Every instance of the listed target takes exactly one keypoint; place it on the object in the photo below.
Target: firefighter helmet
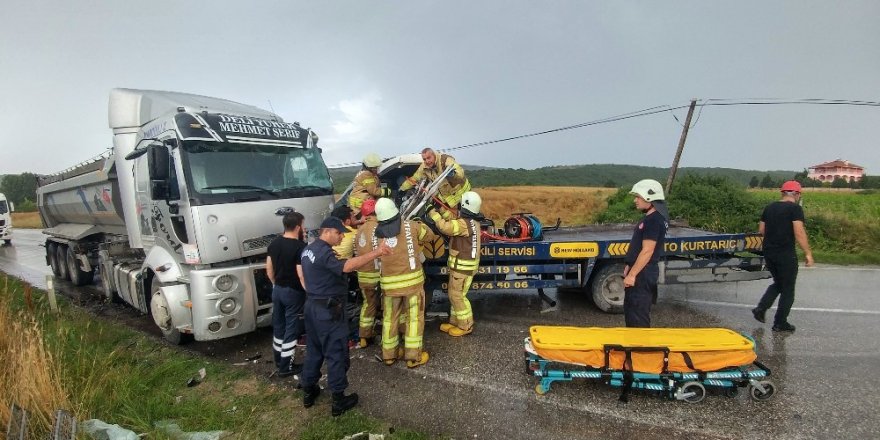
(372, 160)
(648, 189)
(471, 202)
(385, 209)
(791, 186)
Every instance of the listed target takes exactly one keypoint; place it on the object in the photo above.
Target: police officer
(464, 260)
(403, 284)
(366, 184)
(326, 323)
(641, 273)
(455, 184)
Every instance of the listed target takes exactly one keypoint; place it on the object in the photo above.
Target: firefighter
(433, 165)
(642, 271)
(368, 276)
(464, 259)
(366, 184)
(403, 284)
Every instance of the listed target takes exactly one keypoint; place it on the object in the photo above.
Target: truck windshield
(3, 208)
(219, 172)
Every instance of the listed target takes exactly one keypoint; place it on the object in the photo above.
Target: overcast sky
(393, 77)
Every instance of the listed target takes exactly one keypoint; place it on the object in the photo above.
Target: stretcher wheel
(731, 392)
(757, 394)
(696, 390)
(539, 389)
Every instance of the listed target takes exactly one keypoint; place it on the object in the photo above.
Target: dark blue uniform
(326, 293)
(638, 299)
(288, 298)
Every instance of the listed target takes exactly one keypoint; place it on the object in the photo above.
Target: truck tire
(78, 277)
(161, 314)
(607, 288)
(52, 256)
(61, 261)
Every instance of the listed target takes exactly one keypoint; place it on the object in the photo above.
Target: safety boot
(365, 342)
(455, 331)
(445, 327)
(423, 359)
(390, 362)
(310, 394)
(343, 403)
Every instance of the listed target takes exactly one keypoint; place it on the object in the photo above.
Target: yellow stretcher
(679, 362)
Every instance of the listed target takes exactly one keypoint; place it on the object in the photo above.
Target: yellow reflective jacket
(401, 271)
(366, 185)
(464, 242)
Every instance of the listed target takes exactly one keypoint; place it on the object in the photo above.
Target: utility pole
(684, 135)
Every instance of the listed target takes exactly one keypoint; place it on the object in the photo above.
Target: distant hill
(597, 175)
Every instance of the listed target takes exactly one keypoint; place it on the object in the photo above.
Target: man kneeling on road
(326, 323)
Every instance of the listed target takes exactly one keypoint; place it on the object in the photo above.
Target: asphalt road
(476, 387)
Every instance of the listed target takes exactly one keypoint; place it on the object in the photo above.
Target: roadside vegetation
(841, 225)
(95, 369)
(26, 220)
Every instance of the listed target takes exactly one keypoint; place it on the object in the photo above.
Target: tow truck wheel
(52, 254)
(607, 288)
(61, 261)
(161, 313)
(78, 276)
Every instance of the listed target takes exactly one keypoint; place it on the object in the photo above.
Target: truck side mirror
(11, 207)
(158, 162)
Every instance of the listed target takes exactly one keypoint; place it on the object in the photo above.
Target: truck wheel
(78, 276)
(52, 256)
(161, 313)
(61, 261)
(607, 288)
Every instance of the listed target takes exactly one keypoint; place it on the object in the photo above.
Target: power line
(724, 102)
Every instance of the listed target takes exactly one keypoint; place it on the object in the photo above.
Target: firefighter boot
(455, 331)
(445, 327)
(343, 403)
(423, 359)
(310, 394)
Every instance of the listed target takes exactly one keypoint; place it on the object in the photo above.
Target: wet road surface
(476, 386)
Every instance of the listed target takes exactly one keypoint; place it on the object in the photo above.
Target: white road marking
(802, 309)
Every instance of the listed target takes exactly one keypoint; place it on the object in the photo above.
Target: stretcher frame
(690, 387)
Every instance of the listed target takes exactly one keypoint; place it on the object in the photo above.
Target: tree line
(21, 190)
(768, 181)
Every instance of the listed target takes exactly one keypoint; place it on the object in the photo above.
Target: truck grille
(257, 243)
(263, 287)
(2, 222)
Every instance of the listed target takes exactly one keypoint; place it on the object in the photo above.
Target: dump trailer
(6, 208)
(523, 254)
(175, 219)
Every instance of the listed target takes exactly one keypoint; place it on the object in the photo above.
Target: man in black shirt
(326, 322)
(782, 224)
(641, 273)
(288, 296)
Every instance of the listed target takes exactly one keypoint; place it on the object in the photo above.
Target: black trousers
(784, 269)
(638, 299)
(328, 342)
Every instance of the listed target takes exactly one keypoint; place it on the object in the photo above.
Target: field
(26, 220)
(574, 206)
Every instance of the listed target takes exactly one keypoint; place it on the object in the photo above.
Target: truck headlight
(227, 306)
(225, 283)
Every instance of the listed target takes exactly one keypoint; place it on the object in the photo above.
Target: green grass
(120, 376)
(842, 225)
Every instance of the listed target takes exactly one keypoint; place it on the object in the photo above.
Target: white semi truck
(176, 218)
(6, 208)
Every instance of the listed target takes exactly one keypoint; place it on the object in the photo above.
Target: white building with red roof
(828, 171)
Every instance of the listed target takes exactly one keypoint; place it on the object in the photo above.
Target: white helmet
(372, 160)
(648, 189)
(385, 209)
(472, 202)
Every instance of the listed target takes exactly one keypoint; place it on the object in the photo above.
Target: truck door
(145, 205)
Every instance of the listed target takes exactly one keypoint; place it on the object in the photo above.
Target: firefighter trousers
(369, 308)
(413, 306)
(461, 315)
